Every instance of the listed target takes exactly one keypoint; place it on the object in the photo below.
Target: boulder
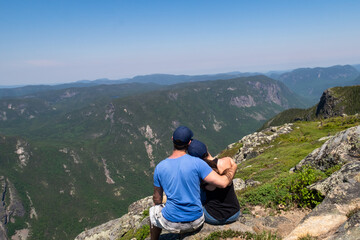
(344, 147)
(331, 217)
(252, 144)
(350, 230)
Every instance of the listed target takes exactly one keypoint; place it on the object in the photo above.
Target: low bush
(244, 235)
(288, 190)
(140, 234)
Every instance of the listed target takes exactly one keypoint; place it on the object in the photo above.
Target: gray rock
(342, 196)
(350, 230)
(339, 182)
(327, 106)
(239, 184)
(116, 228)
(344, 147)
(139, 206)
(252, 142)
(14, 207)
(251, 183)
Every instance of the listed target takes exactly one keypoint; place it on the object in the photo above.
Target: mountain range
(77, 157)
(308, 82)
(311, 82)
(289, 177)
(73, 156)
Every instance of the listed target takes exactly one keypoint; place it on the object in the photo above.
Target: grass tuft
(243, 235)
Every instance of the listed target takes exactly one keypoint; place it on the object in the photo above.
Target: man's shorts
(157, 219)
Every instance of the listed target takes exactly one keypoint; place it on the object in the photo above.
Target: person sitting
(221, 205)
(179, 176)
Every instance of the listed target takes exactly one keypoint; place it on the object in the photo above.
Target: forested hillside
(78, 157)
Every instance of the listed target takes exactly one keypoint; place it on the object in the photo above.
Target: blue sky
(52, 41)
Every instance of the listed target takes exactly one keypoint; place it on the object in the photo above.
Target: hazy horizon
(52, 42)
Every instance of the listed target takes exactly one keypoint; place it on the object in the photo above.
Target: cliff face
(334, 102)
(336, 217)
(10, 206)
(338, 101)
(327, 106)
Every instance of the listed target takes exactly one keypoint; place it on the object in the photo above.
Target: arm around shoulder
(224, 163)
(222, 181)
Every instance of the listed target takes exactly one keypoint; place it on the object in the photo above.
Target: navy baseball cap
(182, 135)
(197, 149)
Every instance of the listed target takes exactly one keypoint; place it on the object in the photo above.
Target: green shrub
(307, 237)
(289, 190)
(145, 214)
(333, 169)
(244, 235)
(140, 234)
(267, 195)
(298, 191)
(232, 151)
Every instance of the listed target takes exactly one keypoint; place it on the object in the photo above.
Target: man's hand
(158, 195)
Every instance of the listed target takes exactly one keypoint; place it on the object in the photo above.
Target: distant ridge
(311, 82)
(162, 79)
(334, 102)
(308, 82)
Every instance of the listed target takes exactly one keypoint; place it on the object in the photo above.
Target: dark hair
(212, 164)
(180, 145)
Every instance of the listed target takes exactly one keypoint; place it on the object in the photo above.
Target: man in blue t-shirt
(179, 176)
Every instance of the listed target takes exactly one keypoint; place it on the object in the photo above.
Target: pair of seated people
(220, 205)
(189, 171)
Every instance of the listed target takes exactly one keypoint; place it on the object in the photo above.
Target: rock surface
(344, 147)
(10, 205)
(251, 144)
(331, 219)
(327, 106)
(116, 228)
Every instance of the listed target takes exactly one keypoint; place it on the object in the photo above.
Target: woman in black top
(221, 205)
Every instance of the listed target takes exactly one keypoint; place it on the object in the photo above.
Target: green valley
(79, 157)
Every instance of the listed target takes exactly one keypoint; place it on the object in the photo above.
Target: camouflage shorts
(157, 220)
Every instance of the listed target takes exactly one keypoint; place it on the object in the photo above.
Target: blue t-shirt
(180, 179)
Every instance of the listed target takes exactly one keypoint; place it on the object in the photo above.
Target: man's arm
(158, 195)
(222, 181)
(224, 163)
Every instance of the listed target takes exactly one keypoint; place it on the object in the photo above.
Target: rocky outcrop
(256, 143)
(10, 205)
(344, 147)
(337, 216)
(350, 230)
(257, 221)
(114, 229)
(327, 105)
(3, 215)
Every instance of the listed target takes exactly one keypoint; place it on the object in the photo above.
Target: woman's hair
(212, 164)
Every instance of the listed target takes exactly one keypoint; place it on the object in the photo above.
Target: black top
(222, 203)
